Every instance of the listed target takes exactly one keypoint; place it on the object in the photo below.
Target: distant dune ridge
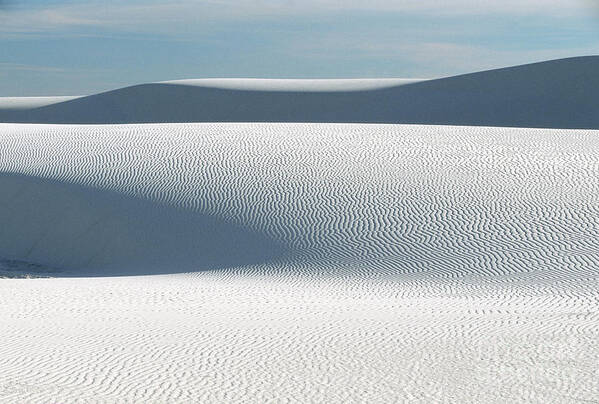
(555, 94)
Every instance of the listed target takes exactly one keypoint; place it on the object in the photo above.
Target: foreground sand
(210, 338)
(298, 262)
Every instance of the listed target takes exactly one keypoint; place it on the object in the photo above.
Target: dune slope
(555, 94)
(298, 263)
(443, 202)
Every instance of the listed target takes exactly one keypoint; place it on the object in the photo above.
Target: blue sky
(60, 47)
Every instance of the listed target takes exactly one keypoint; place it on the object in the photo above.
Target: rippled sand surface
(298, 262)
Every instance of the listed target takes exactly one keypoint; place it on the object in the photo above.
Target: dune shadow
(81, 231)
(555, 94)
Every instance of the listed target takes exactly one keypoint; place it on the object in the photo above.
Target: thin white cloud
(429, 6)
(459, 58)
(426, 57)
(22, 67)
(31, 68)
(180, 16)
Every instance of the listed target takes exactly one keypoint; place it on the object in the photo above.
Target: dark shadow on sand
(81, 231)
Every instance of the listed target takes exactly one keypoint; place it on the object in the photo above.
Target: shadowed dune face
(556, 94)
(74, 230)
(370, 201)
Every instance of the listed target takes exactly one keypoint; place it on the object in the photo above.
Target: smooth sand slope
(556, 94)
(298, 262)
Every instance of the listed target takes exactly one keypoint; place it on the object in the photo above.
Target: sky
(65, 47)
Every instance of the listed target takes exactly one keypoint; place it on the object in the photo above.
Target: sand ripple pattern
(306, 263)
(446, 202)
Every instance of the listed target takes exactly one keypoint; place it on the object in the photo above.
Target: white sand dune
(298, 262)
(556, 94)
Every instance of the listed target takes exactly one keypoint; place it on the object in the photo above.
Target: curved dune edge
(294, 85)
(78, 230)
(555, 94)
(377, 201)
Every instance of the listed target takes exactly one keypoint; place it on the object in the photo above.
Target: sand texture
(298, 262)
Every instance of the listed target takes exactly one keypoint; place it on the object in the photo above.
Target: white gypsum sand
(299, 262)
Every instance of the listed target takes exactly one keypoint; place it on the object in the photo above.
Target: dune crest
(555, 94)
(444, 202)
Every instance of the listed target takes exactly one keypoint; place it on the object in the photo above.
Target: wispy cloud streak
(178, 16)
